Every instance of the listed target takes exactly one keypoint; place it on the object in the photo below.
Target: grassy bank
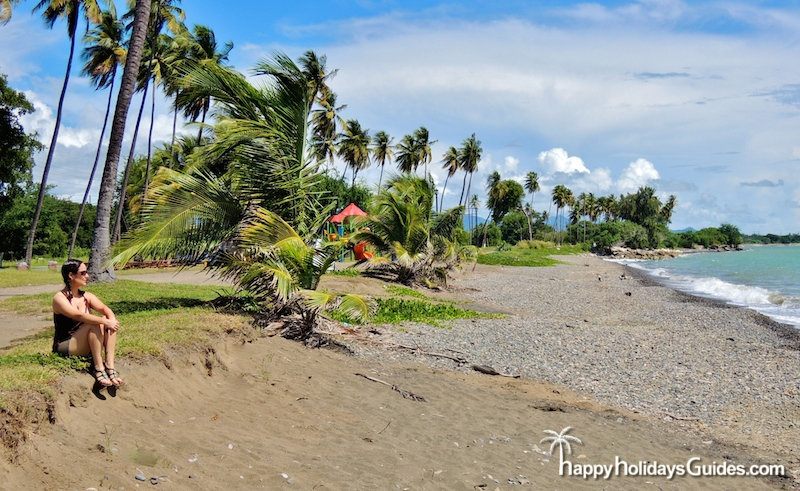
(525, 256)
(154, 318)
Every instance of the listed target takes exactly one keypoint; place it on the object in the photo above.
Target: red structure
(350, 210)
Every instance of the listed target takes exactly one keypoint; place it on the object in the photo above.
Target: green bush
(536, 244)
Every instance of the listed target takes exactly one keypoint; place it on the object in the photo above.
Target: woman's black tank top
(66, 327)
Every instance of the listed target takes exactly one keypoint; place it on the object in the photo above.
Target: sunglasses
(83, 273)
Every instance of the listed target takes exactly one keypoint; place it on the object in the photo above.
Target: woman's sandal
(101, 379)
(113, 376)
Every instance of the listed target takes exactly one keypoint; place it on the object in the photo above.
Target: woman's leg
(88, 339)
(110, 345)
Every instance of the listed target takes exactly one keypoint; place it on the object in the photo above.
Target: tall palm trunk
(94, 169)
(149, 146)
(463, 188)
(52, 149)
(101, 242)
(202, 122)
(444, 188)
(128, 164)
(174, 124)
(380, 179)
(353, 182)
(469, 185)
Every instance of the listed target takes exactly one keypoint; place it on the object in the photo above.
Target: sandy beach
(653, 375)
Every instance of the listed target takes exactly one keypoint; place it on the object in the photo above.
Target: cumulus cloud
(42, 121)
(511, 163)
(639, 173)
(557, 160)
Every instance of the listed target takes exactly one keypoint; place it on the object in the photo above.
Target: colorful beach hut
(342, 222)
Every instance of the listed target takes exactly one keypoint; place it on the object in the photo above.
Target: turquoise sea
(763, 278)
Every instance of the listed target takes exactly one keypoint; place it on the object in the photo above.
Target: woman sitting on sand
(78, 332)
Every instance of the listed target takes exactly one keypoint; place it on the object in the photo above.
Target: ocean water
(763, 278)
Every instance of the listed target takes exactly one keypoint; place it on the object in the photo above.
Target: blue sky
(698, 99)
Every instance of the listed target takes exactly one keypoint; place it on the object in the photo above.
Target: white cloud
(511, 163)
(638, 173)
(557, 160)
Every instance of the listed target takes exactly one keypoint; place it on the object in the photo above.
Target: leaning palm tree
(201, 47)
(325, 121)
(450, 164)
(163, 13)
(52, 11)
(408, 155)
(422, 140)
(315, 71)
(354, 147)
(101, 240)
(531, 184)
(382, 151)
(262, 135)
(560, 200)
(6, 8)
(469, 156)
(103, 55)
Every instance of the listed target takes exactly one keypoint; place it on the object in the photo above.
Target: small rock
(140, 477)
(22, 266)
(284, 475)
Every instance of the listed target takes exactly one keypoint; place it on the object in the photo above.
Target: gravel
(655, 351)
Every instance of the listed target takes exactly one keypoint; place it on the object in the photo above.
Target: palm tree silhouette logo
(562, 439)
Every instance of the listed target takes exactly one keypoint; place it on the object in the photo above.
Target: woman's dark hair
(70, 266)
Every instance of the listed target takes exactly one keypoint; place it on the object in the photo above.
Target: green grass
(10, 277)
(154, 319)
(397, 310)
(123, 296)
(404, 291)
(348, 272)
(527, 257)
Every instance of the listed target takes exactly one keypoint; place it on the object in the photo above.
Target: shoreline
(728, 372)
(782, 329)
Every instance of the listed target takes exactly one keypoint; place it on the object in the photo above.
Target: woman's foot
(113, 376)
(101, 378)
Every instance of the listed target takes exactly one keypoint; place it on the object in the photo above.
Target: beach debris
(406, 394)
(458, 359)
(154, 480)
(140, 476)
(682, 418)
(193, 458)
(628, 294)
(623, 277)
(491, 371)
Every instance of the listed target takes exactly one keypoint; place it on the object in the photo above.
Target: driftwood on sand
(491, 371)
(406, 394)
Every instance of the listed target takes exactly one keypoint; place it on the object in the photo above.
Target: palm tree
(531, 184)
(6, 10)
(562, 439)
(354, 147)
(317, 76)
(560, 199)
(382, 151)
(494, 192)
(200, 46)
(450, 164)
(70, 11)
(668, 208)
(103, 55)
(474, 203)
(325, 121)
(193, 213)
(423, 145)
(101, 240)
(469, 156)
(163, 14)
(407, 154)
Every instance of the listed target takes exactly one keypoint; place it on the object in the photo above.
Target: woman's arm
(96, 304)
(62, 306)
